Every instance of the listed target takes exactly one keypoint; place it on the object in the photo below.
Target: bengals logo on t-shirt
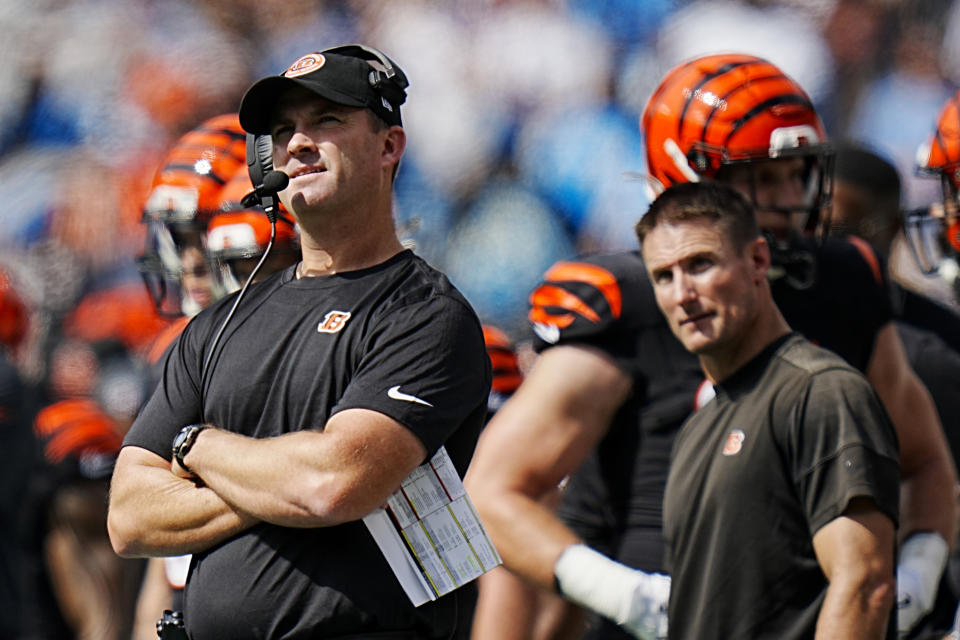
(734, 442)
(333, 322)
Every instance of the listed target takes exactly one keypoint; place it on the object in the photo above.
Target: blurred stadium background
(522, 121)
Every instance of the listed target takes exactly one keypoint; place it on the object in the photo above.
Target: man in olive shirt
(782, 500)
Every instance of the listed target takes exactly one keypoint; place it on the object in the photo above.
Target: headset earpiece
(389, 82)
(259, 164)
(259, 157)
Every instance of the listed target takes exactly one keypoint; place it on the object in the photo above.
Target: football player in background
(612, 386)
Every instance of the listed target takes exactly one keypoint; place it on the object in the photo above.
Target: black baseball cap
(339, 78)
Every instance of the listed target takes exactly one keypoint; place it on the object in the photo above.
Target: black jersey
(16, 439)
(614, 501)
(923, 312)
(938, 367)
(296, 353)
(835, 294)
(789, 440)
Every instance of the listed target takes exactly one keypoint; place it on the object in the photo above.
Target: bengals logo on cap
(306, 64)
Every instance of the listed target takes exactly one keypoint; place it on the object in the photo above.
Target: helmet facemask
(176, 271)
(933, 232)
(810, 168)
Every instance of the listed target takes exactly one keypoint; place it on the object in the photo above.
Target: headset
(389, 83)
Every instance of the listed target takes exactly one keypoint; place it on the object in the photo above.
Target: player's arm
(929, 480)
(309, 478)
(154, 513)
(928, 474)
(542, 433)
(856, 554)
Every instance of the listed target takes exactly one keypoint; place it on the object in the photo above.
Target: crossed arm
(302, 479)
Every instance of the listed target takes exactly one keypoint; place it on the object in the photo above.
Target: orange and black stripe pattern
(944, 146)
(717, 108)
(503, 360)
(75, 427)
(573, 289)
(166, 338)
(205, 159)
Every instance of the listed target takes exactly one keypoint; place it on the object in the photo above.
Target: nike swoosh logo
(396, 394)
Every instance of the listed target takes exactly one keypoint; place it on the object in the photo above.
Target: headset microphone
(273, 183)
(265, 195)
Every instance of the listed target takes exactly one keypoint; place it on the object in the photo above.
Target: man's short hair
(709, 200)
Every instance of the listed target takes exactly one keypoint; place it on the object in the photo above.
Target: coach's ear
(394, 144)
(759, 252)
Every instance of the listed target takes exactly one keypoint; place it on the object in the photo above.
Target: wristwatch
(183, 441)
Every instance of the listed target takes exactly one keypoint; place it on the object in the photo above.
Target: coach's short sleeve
(424, 365)
(844, 447)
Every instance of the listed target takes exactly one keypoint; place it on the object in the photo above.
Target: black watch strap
(184, 440)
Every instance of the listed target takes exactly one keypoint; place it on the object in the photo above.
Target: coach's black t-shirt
(606, 301)
(295, 353)
(788, 441)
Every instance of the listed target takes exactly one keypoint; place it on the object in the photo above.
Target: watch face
(182, 440)
(179, 438)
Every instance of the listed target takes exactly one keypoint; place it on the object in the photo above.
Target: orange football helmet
(238, 235)
(184, 197)
(727, 109)
(187, 187)
(934, 231)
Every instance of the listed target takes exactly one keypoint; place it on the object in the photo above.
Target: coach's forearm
(309, 478)
(855, 609)
(154, 513)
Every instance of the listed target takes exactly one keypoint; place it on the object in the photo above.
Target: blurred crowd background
(522, 120)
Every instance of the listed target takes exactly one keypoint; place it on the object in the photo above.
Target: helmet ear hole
(698, 160)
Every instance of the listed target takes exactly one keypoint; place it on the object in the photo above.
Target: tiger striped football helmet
(934, 231)
(724, 110)
(184, 197)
